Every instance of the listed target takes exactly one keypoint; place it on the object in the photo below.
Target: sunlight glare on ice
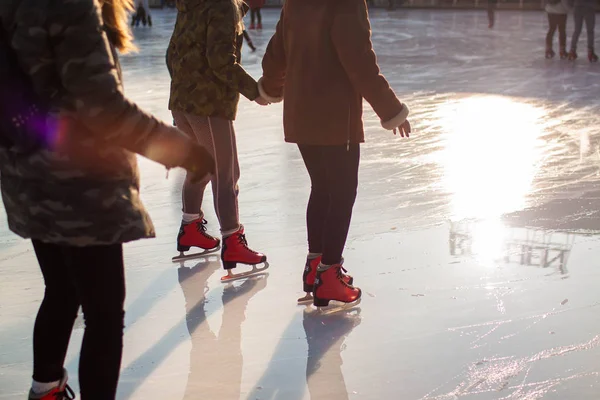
(484, 171)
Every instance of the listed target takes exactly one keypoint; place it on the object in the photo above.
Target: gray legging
(218, 137)
(589, 15)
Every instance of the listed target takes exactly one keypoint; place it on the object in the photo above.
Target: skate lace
(66, 394)
(201, 227)
(242, 240)
(340, 276)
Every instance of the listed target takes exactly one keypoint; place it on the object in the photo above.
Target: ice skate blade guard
(183, 257)
(242, 275)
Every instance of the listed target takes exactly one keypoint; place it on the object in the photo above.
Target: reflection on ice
(325, 335)
(209, 348)
(491, 243)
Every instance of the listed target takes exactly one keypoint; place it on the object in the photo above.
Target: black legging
(333, 174)
(91, 277)
(557, 21)
(491, 8)
(255, 15)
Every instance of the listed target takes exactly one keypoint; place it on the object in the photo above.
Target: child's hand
(404, 129)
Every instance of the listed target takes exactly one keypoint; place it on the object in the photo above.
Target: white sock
(187, 218)
(230, 232)
(43, 387)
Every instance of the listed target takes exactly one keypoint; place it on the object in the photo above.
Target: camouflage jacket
(204, 58)
(85, 189)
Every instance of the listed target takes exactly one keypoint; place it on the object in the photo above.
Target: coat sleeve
(221, 50)
(89, 77)
(274, 66)
(351, 36)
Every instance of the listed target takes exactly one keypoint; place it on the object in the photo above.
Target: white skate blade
(183, 257)
(338, 306)
(308, 298)
(230, 277)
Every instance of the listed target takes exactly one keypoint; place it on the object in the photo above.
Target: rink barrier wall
(438, 4)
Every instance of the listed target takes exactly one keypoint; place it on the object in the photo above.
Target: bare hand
(260, 100)
(404, 129)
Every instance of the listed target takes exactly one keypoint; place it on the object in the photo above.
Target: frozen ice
(467, 239)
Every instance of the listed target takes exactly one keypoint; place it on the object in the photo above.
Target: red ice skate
(61, 392)
(572, 56)
(549, 53)
(259, 26)
(194, 235)
(592, 56)
(252, 26)
(330, 285)
(309, 275)
(235, 250)
(563, 54)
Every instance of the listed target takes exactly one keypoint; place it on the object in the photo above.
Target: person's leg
(220, 136)
(578, 20)
(259, 17)
(193, 231)
(491, 8)
(192, 193)
(342, 183)
(98, 274)
(252, 17)
(562, 34)
(552, 25)
(56, 316)
(249, 40)
(590, 24)
(318, 202)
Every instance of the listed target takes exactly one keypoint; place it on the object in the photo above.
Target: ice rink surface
(475, 242)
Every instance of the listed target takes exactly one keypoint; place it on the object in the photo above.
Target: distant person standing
(557, 11)
(255, 14)
(491, 12)
(142, 14)
(584, 10)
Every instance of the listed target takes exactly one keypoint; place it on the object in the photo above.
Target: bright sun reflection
(492, 147)
(488, 241)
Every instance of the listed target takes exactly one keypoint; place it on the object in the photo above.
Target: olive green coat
(204, 57)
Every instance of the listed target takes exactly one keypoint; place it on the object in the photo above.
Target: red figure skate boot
(592, 56)
(61, 392)
(252, 26)
(549, 53)
(563, 54)
(235, 250)
(572, 56)
(194, 235)
(259, 26)
(330, 285)
(309, 275)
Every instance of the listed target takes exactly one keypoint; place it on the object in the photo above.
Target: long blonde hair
(115, 15)
(238, 6)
